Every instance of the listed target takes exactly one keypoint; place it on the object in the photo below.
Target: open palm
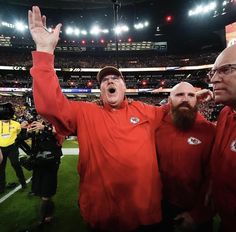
(45, 41)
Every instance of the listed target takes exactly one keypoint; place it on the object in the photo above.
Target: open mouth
(111, 90)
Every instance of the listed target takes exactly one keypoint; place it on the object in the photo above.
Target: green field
(21, 211)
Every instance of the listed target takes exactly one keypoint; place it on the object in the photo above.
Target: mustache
(184, 104)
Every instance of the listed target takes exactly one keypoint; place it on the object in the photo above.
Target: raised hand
(204, 95)
(186, 222)
(45, 41)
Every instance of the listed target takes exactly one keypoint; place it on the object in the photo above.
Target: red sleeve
(48, 97)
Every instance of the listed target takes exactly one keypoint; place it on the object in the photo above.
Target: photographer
(46, 152)
(9, 130)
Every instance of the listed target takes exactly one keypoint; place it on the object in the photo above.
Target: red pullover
(184, 164)
(224, 169)
(119, 176)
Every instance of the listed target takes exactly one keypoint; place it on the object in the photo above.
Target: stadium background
(158, 43)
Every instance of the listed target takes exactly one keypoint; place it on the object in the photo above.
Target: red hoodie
(224, 169)
(120, 185)
(184, 164)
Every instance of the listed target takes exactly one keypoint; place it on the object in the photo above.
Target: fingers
(57, 30)
(34, 18)
(30, 19)
(37, 16)
(44, 19)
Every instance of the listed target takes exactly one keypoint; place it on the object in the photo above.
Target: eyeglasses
(222, 71)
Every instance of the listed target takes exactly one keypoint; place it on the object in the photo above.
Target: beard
(184, 119)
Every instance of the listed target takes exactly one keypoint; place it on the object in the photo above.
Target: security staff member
(9, 129)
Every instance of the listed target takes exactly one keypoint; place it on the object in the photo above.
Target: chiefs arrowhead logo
(134, 120)
(193, 141)
(233, 146)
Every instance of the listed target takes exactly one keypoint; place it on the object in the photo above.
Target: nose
(215, 78)
(110, 80)
(185, 98)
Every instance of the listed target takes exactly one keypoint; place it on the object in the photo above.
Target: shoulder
(225, 111)
(143, 105)
(208, 127)
(83, 104)
(15, 123)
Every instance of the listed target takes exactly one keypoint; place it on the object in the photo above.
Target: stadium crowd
(95, 60)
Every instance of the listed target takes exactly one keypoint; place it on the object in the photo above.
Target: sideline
(12, 192)
(70, 151)
(65, 151)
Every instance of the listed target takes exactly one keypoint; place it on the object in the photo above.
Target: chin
(220, 100)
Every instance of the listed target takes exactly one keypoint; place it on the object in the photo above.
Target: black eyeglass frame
(222, 71)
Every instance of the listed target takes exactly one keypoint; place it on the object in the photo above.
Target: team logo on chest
(233, 146)
(134, 120)
(193, 141)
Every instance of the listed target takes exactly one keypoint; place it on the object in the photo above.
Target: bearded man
(184, 143)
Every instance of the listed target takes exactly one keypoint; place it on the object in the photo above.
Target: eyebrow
(182, 93)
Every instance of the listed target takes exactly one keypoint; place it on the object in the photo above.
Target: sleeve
(154, 113)
(48, 97)
(60, 138)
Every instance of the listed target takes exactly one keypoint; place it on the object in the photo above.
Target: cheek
(176, 102)
(102, 89)
(193, 102)
(232, 85)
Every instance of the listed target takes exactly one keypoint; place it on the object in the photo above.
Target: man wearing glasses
(223, 78)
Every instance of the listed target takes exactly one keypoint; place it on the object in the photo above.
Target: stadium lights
(203, 9)
(119, 29)
(69, 30)
(105, 31)
(224, 3)
(19, 26)
(95, 30)
(140, 25)
(75, 31)
(169, 18)
(83, 32)
(5, 24)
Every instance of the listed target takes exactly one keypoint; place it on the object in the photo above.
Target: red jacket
(224, 169)
(184, 164)
(119, 177)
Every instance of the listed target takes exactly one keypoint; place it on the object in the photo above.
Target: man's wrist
(45, 49)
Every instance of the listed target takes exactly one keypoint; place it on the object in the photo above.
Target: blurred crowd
(126, 59)
(22, 109)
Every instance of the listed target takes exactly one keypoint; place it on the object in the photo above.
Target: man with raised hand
(120, 187)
